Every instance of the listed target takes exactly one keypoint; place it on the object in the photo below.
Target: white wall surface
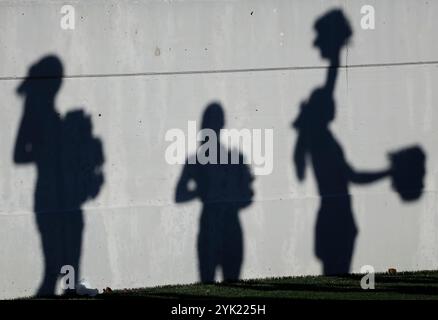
(146, 67)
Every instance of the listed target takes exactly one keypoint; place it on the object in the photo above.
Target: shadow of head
(333, 32)
(213, 117)
(49, 69)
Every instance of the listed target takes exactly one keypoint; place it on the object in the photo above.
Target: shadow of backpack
(83, 159)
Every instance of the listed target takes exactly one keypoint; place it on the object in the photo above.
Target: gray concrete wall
(145, 67)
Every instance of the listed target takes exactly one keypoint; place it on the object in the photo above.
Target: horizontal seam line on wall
(89, 209)
(193, 72)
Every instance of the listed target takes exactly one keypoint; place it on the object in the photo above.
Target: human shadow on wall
(336, 230)
(224, 189)
(69, 162)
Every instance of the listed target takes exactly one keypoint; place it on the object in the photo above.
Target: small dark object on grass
(107, 290)
(392, 271)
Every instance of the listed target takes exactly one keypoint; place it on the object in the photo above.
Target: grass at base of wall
(407, 285)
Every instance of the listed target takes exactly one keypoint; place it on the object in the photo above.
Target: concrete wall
(145, 67)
